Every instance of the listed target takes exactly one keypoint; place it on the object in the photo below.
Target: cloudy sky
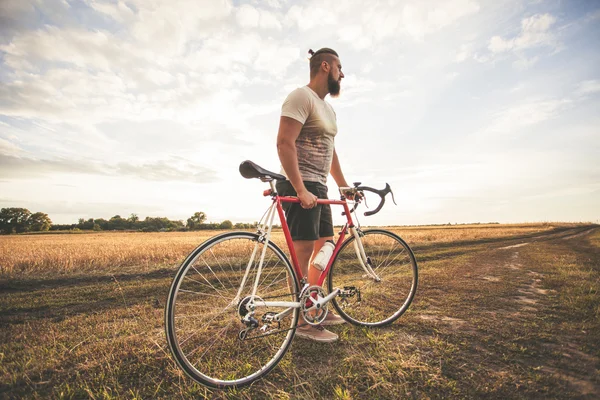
(472, 110)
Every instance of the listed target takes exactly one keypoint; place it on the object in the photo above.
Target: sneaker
(332, 319)
(317, 333)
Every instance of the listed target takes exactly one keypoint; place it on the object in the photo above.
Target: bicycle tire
(211, 275)
(375, 303)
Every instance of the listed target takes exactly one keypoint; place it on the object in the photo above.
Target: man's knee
(304, 250)
(303, 246)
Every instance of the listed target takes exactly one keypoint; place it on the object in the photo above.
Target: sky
(472, 110)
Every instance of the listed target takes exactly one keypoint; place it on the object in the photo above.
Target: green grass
(487, 322)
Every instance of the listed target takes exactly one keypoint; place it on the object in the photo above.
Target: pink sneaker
(316, 333)
(332, 319)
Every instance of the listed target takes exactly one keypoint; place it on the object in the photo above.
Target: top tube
(289, 199)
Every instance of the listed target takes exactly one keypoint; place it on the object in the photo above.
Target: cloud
(463, 53)
(22, 167)
(154, 61)
(525, 63)
(8, 148)
(535, 32)
(588, 87)
(119, 11)
(421, 19)
(98, 50)
(172, 169)
(378, 21)
(248, 16)
(510, 120)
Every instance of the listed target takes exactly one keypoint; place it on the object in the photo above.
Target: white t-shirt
(315, 143)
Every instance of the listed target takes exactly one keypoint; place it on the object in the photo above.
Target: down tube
(338, 245)
(288, 240)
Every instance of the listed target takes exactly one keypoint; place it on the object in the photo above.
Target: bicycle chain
(275, 333)
(279, 331)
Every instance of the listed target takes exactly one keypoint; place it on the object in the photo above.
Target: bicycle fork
(365, 261)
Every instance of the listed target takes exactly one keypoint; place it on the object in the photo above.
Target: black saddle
(250, 170)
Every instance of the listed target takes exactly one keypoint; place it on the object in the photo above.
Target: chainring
(311, 314)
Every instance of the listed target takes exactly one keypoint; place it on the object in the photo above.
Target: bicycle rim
(202, 319)
(365, 301)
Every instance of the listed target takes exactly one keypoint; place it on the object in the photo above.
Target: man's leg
(313, 277)
(304, 250)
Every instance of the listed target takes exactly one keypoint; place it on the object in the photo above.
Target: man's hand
(307, 199)
(357, 196)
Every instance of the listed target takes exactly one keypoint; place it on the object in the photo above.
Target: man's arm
(289, 129)
(338, 175)
(336, 171)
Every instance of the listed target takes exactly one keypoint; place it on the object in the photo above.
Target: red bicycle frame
(288, 237)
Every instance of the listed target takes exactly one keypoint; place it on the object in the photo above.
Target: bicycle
(235, 302)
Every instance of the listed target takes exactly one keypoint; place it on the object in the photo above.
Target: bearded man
(306, 149)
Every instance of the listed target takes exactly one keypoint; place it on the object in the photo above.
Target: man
(305, 144)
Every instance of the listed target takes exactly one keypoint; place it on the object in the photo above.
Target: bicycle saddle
(250, 170)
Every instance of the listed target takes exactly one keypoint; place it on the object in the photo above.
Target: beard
(333, 86)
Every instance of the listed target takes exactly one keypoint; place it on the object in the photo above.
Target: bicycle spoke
(214, 337)
(205, 285)
(219, 264)
(207, 281)
(198, 331)
(213, 272)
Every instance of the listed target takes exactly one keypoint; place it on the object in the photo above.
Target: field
(502, 311)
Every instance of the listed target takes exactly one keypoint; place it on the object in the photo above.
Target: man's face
(335, 77)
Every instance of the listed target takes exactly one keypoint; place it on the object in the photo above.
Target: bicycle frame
(265, 237)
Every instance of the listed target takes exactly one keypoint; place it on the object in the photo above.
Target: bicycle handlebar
(380, 192)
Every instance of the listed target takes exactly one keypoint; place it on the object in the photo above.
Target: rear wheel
(363, 300)
(203, 315)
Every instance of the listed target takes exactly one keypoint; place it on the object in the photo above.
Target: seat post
(272, 186)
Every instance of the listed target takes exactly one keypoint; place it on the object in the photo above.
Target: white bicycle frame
(318, 302)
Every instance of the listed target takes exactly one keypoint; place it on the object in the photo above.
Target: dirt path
(519, 329)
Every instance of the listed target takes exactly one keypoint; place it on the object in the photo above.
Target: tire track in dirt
(570, 233)
(525, 300)
(529, 300)
(527, 293)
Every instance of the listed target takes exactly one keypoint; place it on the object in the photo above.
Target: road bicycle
(235, 302)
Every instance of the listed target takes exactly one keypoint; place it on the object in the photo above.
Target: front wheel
(208, 302)
(363, 300)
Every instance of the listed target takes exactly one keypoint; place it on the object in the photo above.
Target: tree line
(21, 220)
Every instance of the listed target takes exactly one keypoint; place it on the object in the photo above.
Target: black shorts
(307, 224)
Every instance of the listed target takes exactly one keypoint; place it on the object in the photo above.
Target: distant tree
(117, 223)
(102, 223)
(62, 227)
(242, 225)
(85, 224)
(156, 224)
(176, 225)
(39, 222)
(195, 221)
(14, 220)
(227, 224)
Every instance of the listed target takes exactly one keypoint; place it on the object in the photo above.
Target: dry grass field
(502, 311)
(49, 254)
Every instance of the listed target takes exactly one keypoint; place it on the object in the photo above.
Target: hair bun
(311, 52)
